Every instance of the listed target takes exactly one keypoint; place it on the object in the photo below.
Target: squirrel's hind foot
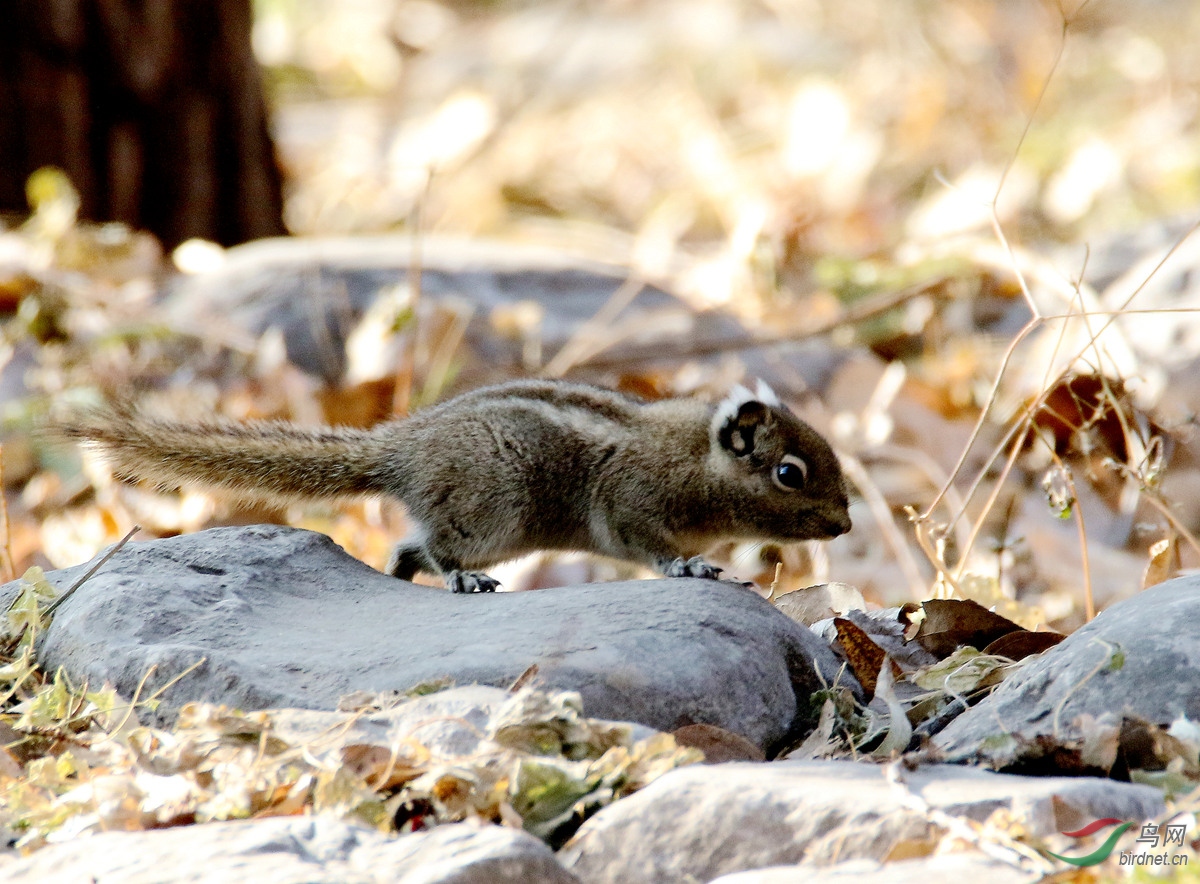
(693, 567)
(697, 567)
(470, 581)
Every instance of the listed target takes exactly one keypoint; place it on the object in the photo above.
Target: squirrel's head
(795, 486)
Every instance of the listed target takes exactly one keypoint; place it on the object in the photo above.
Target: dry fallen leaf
(717, 744)
(1021, 644)
(952, 623)
(864, 656)
(814, 603)
(1164, 562)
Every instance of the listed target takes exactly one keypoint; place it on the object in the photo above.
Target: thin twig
(1014, 453)
(1012, 161)
(8, 569)
(402, 394)
(92, 570)
(583, 344)
(1036, 320)
(868, 308)
(1111, 649)
(1077, 513)
(1025, 423)
(982, 418)
(135, 701)
(878, 505)
(1173, 520)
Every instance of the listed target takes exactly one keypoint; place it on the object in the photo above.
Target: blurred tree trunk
(153, 108)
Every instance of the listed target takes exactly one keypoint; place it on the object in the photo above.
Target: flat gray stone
(294, 850)
(314, 291)
(701, 822)
(285, 618)
(1140, 658)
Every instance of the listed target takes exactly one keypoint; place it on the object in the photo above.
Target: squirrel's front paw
(693, 567)
(470, 581)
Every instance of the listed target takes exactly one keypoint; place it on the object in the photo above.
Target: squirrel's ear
(738, 419)
(765, 394)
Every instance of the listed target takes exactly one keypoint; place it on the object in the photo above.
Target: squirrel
(524, 466)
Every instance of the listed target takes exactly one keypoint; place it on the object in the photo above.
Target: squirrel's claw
(470, 581)
(693, 567)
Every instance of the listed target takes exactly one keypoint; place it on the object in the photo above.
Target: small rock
(285, 618)
(295, 850)
(700, 822)
(1138, 658)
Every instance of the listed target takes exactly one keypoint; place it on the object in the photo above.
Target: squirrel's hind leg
(411, 555)
(408, 558)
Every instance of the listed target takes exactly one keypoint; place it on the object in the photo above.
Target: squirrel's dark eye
(791, 473)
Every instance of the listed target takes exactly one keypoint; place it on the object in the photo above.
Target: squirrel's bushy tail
(262, 460)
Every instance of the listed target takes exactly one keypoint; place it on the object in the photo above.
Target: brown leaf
(361, 405)
(525, 678)
(1147, 746)
(951, 623)
(378, 767)
(912, 615)
(913, 848)
(1164, 562)
(9, 766)
(717, 744)
(1021, 644)
(1080, 402)
(18, 748)
(864, 656)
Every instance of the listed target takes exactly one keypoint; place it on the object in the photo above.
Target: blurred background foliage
(782, 131)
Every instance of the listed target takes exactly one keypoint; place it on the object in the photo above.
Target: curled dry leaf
(814, 603)
(962, 673)
(1021, 644)
(864, 656)
(1164, 562)
(951, 623)
(899, 728)
(384, 768)
(821, 743)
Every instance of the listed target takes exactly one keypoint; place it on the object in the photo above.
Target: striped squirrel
(502, 471)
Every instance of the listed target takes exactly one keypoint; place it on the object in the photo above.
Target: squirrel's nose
(838, 525)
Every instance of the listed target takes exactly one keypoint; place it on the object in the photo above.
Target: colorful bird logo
(1101, 853)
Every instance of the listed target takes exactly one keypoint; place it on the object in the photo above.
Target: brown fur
(530, 465)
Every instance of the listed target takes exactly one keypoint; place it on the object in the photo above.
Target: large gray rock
(698, 823)
(283, 617)
(1138, 658)
(294, 850)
